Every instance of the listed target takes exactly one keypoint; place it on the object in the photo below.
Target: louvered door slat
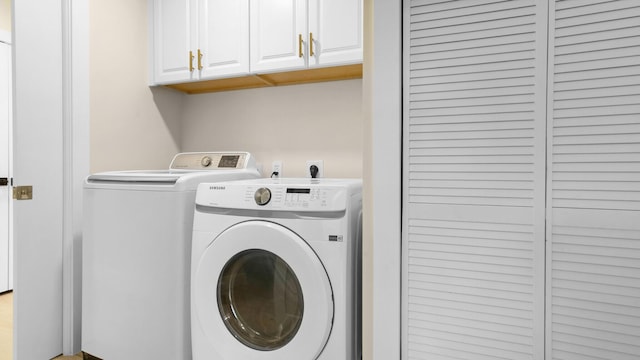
(594, 199)
(519, 45)
(474, 179)
(578, 16)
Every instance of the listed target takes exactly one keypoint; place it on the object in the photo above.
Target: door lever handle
(4, 181)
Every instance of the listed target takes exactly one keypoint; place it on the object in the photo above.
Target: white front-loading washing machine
(276, 270)
(137, 255)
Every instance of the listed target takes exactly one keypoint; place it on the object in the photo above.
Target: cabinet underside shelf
(345, 72)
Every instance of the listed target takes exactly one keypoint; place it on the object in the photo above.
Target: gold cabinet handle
(199, 60)
(299, 45)
(311, 44)
(190, 61)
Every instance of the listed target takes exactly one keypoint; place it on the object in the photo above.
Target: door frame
(75, 140)
(76, 89)
(382, 197)
(5, 38)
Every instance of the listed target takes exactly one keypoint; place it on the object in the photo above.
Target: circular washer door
(261, 292)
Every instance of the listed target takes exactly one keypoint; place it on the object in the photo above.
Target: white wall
(132, 126)
(321, 121)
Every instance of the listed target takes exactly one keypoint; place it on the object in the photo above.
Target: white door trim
(6, 260)
(75, 77)
(384, 178)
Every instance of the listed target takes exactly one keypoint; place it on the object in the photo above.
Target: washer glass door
(261, 292)
(260, 299)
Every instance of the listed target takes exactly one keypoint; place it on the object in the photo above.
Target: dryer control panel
(296, 198)
(276, 196)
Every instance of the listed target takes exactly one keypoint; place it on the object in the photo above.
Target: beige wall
(132, 126)
(294, 124)
(5, 15)
(137, 127)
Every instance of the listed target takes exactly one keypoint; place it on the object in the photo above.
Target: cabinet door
(172, 29)
(336, 27)
(275, 28)
(223, 28)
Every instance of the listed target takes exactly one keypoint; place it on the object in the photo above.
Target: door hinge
(23, 192)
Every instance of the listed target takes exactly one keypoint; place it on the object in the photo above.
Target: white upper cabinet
(336, 28)
(278, 35)
(223, 38)
(199, 39)
(296, 34)
(172, 31)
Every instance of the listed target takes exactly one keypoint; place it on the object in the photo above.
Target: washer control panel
(209, 161)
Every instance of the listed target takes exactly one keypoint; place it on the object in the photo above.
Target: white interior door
(5, 116)
(474, 179)
(592, 305)
(38, 161)
(593, 232)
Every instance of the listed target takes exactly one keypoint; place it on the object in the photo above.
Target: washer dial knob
(206, 161)
(262, 196)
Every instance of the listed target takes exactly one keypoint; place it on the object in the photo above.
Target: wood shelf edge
(334, 73)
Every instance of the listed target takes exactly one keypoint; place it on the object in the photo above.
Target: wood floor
(6, 329)
(6, 326)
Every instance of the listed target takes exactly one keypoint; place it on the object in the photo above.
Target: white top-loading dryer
(276, 270)
(136, 255)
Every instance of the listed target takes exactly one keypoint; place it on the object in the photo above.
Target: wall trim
(386, 178)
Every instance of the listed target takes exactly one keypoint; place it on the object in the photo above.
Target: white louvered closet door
(594, 230)
(474, 179)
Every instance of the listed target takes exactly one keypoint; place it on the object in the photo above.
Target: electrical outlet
(276, 169)
(319, 164)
